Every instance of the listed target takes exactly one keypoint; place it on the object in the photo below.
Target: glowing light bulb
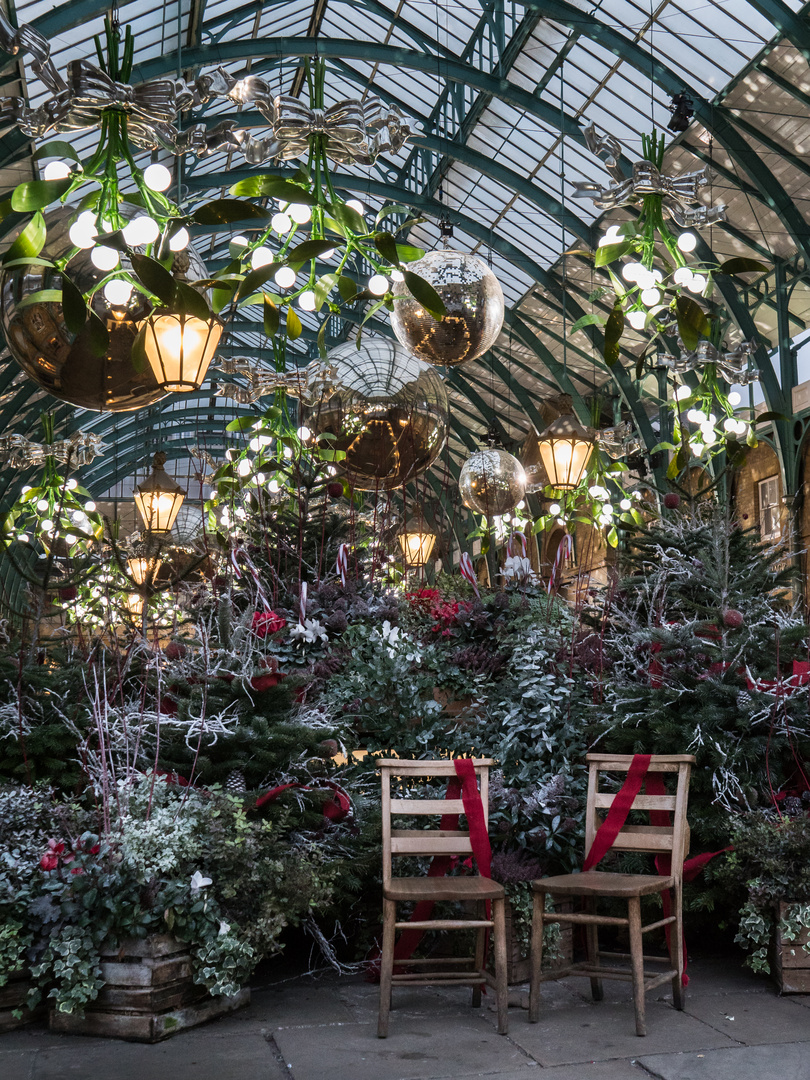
(378, 284)
(683, 392)
(105, 258)
(554, 509)
(157, 177)
(70, 539)
(244, 467)
(23, 538)
(307, 301)
(43, 505)
(397, 275)
(631, 270)
(730, 424)
(240, 241)
(612, 236)
(687, 242)
(625, 504)
(90, 506)
(142, 230)
(273, 486)
(82, 234)
(734, 398)
(262, 256)
(697, 448)
(71, 485)
(46, 525)
(281, 223)
(117, 292)
(179, 242)
(682, 276)
(327, 254)
(304, 433)
(637, 319)
(285, 277)
(697, 284)
(56, 170)
(299, 212)
(355, 204)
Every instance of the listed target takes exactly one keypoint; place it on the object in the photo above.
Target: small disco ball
(474, 302)
(492, 482)
(63, 363)
(389, 414)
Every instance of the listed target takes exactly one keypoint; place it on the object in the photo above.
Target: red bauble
(334, 489)
(175, 650)
(733, 619)
(672, 500)
(329, 748)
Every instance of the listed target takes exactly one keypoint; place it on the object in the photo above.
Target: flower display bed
(148, 995)
(12, 1000)
(790, 965)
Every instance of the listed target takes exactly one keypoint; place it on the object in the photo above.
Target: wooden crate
(790, 964)
(148, 995)
(517, 962)
(12, 999)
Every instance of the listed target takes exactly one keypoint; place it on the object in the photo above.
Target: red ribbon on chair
(464, 783)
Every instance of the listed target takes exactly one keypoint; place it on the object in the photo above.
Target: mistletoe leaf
(270, 318)
(294, 327)
(34, 194)
(692, 322)
(155, 277)
(30, 241)
(226, 211)
(424, 293)
(611, 252)
(74, 307)
(614, 328)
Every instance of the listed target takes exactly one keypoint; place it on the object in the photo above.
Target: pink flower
(54, 855)
(267, 622)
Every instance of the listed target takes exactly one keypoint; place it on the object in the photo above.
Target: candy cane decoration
(465, 565)
(566, 549)
(517, 540)
(342, 564)
(234, 553)
(302, 610)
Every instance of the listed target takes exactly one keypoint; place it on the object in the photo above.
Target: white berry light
(83, 233)
(179, 242)
(307, 300)
(105, 258)
(141, 230)
(157, 177)
(355, 204)
(637, 319)
(687, 241)
(56, 170)
(262, 256)
(378, 284)
(299, 212)
(682, 276)
(683, 392)
(281, 223)
(285, 277)
(734, 398)
(117, 292)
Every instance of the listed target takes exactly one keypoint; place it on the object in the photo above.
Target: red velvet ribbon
(335, 808)
(637, 775)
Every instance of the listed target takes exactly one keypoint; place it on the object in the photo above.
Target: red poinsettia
(266, 623)
(58, 853)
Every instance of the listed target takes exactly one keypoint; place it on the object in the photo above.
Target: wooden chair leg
(637, 961)
(592, 945)
(501, 989)
(386, 966)
(536, 960)
(480, 959)
(676, 947)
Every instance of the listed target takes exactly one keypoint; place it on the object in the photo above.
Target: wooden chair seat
(602, 883)
(452, 888)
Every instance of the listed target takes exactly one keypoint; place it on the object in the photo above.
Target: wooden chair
(451, 971)
(671, 840)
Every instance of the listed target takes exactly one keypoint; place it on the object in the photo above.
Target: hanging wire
(564, 261)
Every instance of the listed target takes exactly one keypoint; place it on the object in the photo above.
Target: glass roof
(502, 93)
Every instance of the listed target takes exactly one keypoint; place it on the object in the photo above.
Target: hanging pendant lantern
(159, 498)
(142, 568)
(565, 449)
(180, 348)
(416, 540)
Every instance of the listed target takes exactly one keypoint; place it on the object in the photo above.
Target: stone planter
(517, 960)
(790, 964)
(12, 999)
(148, 995)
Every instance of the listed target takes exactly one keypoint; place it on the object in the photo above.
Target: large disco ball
(61, 362)
(474, 302)
(492, 482)
(389, 414)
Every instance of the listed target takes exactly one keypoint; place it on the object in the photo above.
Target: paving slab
(788, 1062)
(603, 1031)
(192, 1054)
(595, 1070)
(299, 1003)
(414, 1050)
(753, 1018)
(16, 1064)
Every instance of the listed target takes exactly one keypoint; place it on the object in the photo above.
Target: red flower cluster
(445, 613)
(424, 598)
(266, 623)
(58, 853)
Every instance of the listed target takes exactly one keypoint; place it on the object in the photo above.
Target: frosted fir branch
(205, 728)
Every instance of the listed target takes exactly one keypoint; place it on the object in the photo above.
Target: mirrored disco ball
(492, 482)
(389, 415)
(63, 363)
(474, 302)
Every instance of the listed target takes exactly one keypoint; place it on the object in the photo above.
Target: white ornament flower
(518, 568)
(310, 631)
(199, 882)
(223, 927)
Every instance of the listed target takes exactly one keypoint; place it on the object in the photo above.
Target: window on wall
(769, 525)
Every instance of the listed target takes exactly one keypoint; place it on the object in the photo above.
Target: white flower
(223, 927)
(518, 568)
(310, 631)
(199, 882)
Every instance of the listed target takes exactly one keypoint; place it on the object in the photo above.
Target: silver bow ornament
(733, 365)
(647, 179)
(618, 441)
(79, 449)
(310, 384)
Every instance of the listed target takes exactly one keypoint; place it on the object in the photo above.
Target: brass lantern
(416, 540)
(142, 568)
(565, 447)
(159, 498)
(179, 348)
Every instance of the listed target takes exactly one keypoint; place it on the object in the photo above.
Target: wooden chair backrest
(653, 839)
(425, 841)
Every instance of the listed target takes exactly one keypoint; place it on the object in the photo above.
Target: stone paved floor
(734, 1028)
